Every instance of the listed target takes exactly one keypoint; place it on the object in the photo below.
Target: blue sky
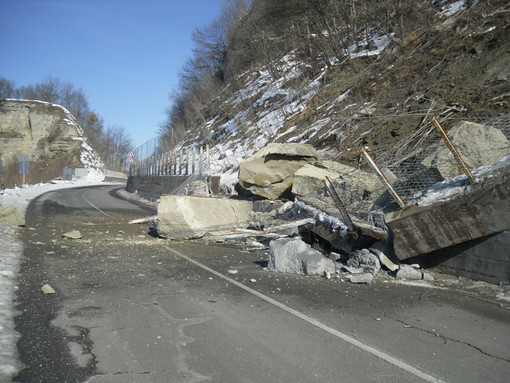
(125, 54)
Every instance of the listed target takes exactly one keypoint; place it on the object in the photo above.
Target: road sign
(131, 154)
(68, 174)
(23, 164)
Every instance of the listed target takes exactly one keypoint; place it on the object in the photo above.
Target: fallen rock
(12, 216)
(364, 259)
(266, 206)
(186, 217)
(311, 176)
(292, 255)
(47, 289)
(198, 189)
(351, 184)
(479, 145)
(353, 270)
(73, 234)
(364, 278)
(409, 272)
(270, 172)
(380, 249)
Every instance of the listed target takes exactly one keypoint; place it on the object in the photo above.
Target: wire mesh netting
(421, 168)
(424, 159)
(148, 149)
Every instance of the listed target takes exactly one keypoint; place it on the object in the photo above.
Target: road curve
(129, 307)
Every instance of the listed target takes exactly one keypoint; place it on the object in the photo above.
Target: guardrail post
(193, 161)
(208, 160)
(200, 164)
(180, 162)
(186, 162)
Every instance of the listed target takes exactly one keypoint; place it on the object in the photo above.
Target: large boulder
(478, 145)
(186, 217)
(311, 176)
(12, 216)
(292, 255)
(270, 172)
(351, 184)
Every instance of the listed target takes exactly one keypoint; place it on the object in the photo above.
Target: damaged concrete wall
(481, 212)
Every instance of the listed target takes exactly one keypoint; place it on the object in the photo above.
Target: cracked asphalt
(130, 307)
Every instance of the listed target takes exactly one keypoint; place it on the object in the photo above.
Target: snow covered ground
(11, 250)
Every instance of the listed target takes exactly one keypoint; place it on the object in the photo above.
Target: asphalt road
(130, 307)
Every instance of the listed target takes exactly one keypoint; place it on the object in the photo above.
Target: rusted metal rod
(387, 183)
(460, 162)
(339, 204)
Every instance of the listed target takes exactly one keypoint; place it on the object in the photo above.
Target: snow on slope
(264, 108)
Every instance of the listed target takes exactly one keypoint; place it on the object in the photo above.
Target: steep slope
(49, 135)
(457, 68)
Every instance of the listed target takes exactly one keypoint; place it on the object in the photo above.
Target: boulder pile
(297, 199)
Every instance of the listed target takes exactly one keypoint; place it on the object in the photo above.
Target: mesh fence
(148, 149)
(424, 160)
(421, 168)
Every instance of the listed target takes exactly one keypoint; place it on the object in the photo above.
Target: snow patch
(448, 190)
(11, 250)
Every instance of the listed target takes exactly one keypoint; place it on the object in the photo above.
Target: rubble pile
(288, 201)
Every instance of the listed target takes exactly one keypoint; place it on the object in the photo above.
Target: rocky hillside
(48, 134)
(386, 92)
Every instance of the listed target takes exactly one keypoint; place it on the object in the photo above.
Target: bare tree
(48, 90)
(7, 88)
(76, 102)
(115, 147)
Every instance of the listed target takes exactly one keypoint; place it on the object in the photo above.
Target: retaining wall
(153, 187)
(484, 259)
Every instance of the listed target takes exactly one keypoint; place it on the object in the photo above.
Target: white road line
(365, 347)
(94, 206)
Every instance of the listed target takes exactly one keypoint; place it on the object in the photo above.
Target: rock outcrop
(44, 132)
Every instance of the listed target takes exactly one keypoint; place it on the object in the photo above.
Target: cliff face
(36, 128)
(48, 134)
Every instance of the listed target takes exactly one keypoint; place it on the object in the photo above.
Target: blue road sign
(23, 164)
